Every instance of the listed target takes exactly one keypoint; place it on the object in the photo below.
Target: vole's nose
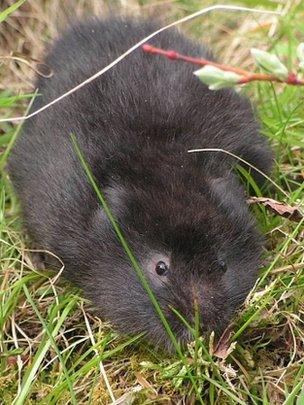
(207, 305)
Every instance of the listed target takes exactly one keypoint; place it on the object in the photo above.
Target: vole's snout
(201, 307)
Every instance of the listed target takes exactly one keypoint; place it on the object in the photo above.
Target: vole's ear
(115, 197)
(228, 193)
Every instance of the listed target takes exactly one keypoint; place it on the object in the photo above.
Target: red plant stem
(247, 77)
(196, 61)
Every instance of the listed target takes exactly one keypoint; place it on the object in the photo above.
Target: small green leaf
(300, 54)
(270, 63)
(216, 78)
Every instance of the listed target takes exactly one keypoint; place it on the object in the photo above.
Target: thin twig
(173, 55)
(247, 77)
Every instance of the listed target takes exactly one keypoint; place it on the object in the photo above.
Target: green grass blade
(9, 10)
(44, 347)
(9, 147)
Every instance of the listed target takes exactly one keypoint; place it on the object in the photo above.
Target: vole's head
(196, 244)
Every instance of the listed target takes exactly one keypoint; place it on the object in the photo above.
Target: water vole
(184, 215)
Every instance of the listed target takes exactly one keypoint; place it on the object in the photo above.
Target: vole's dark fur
(134, 125)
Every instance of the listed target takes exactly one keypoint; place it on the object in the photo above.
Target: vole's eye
(161, 268)
(222, 264)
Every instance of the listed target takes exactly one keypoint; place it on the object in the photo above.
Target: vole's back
(143, 101)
